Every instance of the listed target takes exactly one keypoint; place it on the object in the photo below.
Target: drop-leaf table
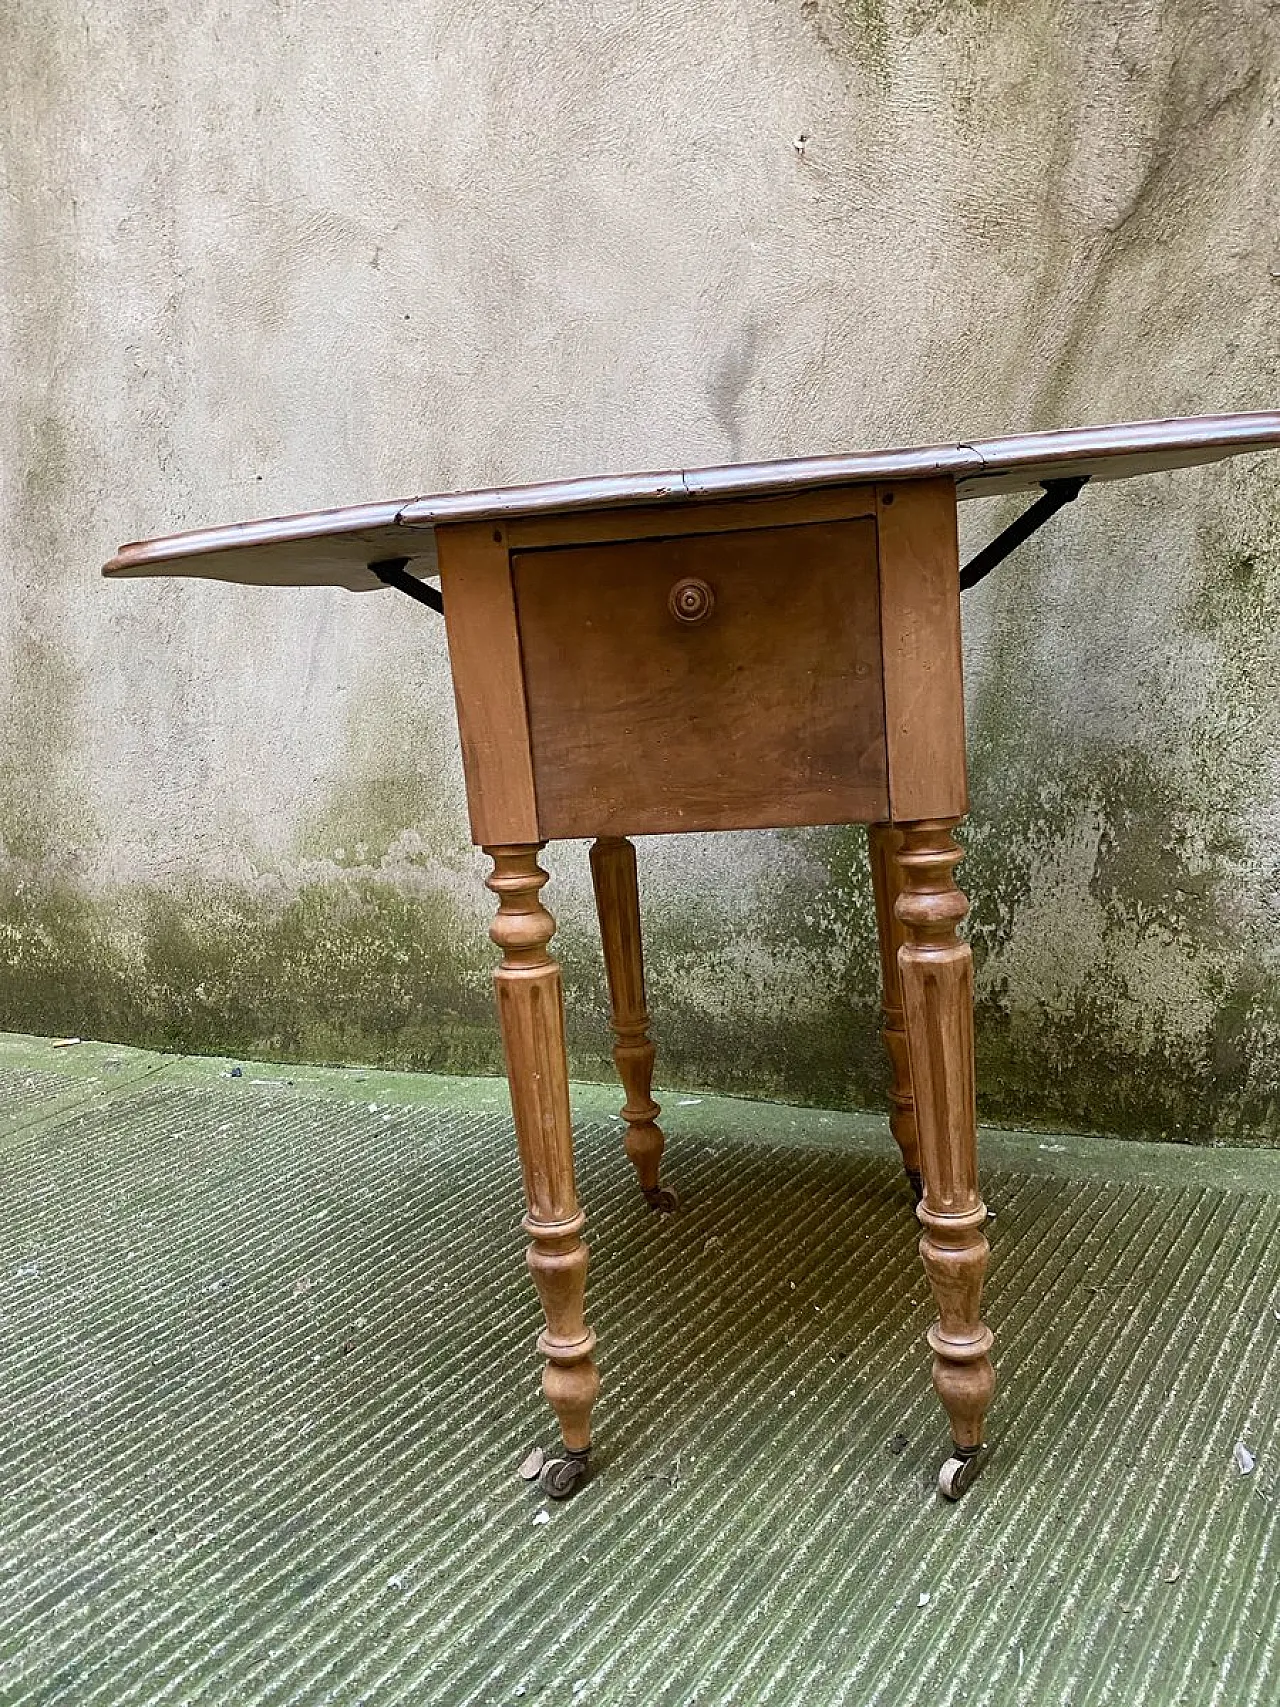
(744, 647)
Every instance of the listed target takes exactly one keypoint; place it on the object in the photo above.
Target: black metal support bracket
(392, 572)
(1056, 494)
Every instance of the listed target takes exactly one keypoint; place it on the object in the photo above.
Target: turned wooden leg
(531, 1015)
(883, 841)
(937, 996)
(613, 877)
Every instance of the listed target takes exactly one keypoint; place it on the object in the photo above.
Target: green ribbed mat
(267, 1370)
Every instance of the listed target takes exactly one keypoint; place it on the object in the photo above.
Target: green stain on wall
(856, 28)
(379, 967)
(352, 969)
(1126, 970)
(870, 27)
(1165, 1027)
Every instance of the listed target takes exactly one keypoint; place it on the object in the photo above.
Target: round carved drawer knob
(691, 601)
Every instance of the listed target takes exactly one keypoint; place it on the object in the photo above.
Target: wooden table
(727, 648)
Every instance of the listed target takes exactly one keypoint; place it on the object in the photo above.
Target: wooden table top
(333, 547)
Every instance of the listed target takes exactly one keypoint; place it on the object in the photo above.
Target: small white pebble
(396, 1581)
(1245, 1460)
(542, 1517)
(925, 1598)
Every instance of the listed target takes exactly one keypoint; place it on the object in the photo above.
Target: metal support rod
(391, 571)
(1056, 494)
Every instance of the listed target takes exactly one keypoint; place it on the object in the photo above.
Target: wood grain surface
(923, 681)
(769, 712)
(488, 686)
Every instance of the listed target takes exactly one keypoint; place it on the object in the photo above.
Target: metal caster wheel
(663, 1198)
(561, 1478)
(960, 1472)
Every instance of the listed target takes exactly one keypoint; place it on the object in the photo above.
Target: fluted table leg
(883, 841)
(937, 990)
(531, 1015)
(617, 892)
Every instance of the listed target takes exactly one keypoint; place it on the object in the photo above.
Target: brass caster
(561, 1478)
(961, 1471)
(663, 1198)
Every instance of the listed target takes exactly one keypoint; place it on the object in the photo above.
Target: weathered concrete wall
(268, 257)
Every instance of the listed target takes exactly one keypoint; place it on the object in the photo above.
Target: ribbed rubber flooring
(266, 1370)
(25, 1093)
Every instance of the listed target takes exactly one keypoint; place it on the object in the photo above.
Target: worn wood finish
(883, 842)
(920, 631)
(617, 893)
(937, 989)
(531, 1016)
(685, 519)
(1016, 463)
(328, 546)
(488, 683)
(763, 708)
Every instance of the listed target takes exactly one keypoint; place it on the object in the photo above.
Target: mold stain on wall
(1126, 974)
(361, 968)
(856, 28)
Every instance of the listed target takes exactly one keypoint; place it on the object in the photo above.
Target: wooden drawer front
(767, 711)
